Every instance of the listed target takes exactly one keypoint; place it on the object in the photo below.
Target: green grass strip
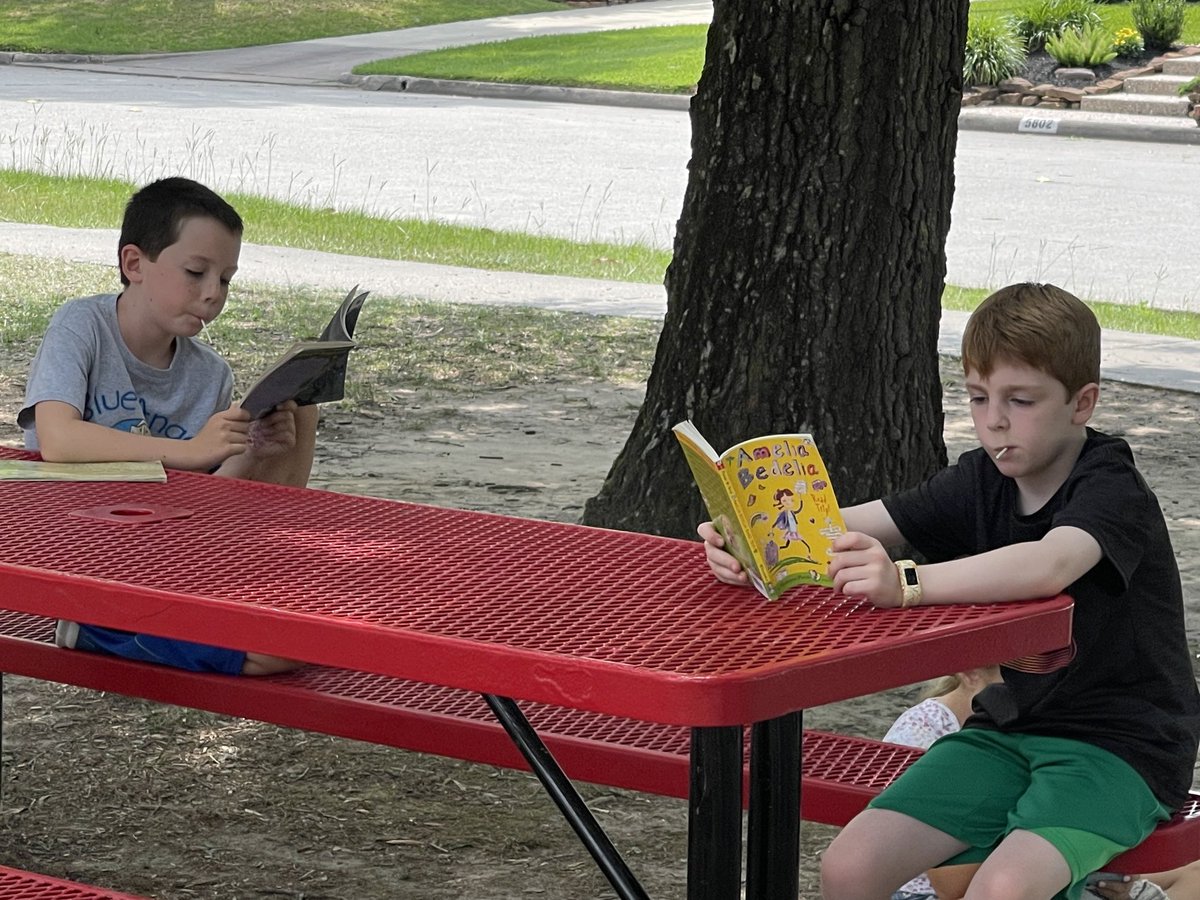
(79, 202)
(147, 26)
(660, 60)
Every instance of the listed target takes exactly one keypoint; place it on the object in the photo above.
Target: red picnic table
(516, 609)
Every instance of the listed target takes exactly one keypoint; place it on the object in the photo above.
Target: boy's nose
(213, 290)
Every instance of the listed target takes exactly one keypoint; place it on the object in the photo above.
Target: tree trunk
(805, 289)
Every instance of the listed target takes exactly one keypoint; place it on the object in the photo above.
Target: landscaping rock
(1075, 76)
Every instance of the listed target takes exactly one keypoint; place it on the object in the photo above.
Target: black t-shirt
(1129, 688)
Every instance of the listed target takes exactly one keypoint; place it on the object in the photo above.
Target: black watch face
(910, 577)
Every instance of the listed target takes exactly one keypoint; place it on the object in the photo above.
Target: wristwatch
(910, 583)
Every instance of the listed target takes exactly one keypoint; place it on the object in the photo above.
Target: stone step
(1136, 104)
(1186, 65)
(1162, 85)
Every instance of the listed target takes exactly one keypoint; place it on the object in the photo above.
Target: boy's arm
(279, 449)
(63, 436)
(1024, 571)
(871, 519)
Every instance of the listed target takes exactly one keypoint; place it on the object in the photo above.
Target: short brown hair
(1039, 325)
(155, 215)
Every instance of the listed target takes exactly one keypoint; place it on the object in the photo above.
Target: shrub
(1089, 47)
(1193, 85)
(1159, 21)
(1041, 20)
(994, 51)
(1128, 42)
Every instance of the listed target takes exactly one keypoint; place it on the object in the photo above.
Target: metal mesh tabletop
(544, 611)
(18, 885)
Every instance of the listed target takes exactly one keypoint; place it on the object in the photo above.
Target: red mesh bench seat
(840, 774)
(18, 885)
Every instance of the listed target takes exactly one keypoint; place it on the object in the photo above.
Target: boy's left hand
(861, 567)
(275, 433)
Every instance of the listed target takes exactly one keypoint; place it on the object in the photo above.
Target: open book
(771, 499)
(36, 470)
(310, 371)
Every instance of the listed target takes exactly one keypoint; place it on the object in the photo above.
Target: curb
(501, 91)
(1110, 126)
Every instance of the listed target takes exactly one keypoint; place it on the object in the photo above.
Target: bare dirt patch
(176, 804)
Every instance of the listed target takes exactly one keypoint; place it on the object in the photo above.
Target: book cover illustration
(310, 371)
(36, 470)
(772, 501)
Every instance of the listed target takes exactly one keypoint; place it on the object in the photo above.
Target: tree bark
(805, 289)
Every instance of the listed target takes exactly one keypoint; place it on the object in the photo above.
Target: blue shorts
(164, 651)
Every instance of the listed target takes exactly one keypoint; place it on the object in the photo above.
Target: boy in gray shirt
(123, 377)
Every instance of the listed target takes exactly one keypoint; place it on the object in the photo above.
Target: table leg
(564, 795)
(715, 814)
(773, 842)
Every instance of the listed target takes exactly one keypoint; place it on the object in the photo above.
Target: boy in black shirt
(1075, 756)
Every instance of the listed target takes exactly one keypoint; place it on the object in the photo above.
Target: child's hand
(223, 436)
(275, 433)
(861, 568)
(723, 565)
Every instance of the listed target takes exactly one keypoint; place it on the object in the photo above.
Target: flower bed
(1048, 86)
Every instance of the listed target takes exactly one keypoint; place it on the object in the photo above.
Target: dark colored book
(310, 371)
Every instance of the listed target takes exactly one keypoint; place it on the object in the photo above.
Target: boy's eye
(1021, 401)
(194, 273)
(977, 400)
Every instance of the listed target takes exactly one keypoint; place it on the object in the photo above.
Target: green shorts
(978, 785)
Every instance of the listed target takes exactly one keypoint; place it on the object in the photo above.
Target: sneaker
(1146, 890)
(1138, 890)
(66, 634)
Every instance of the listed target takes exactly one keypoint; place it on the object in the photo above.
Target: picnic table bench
(840, 773)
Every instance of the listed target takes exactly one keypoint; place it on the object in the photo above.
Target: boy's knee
(843, 871)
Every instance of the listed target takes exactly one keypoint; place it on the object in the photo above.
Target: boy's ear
(1085, 401)
(131, 257)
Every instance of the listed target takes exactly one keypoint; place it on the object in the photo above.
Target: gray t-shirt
(83, 361)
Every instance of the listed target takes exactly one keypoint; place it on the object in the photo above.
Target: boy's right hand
(861, 567)
(723, 564)
(224, 435)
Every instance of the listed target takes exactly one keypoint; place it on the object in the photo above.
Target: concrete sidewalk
(1161, 362)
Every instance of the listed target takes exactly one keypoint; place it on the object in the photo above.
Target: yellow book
(36, 470)
(771, 499)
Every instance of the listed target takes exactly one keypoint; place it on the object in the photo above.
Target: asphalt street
(1109, 219)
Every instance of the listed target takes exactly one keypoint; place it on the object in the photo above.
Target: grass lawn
(144, 26)
(663, 60)
(79, 202)
(411, 342)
